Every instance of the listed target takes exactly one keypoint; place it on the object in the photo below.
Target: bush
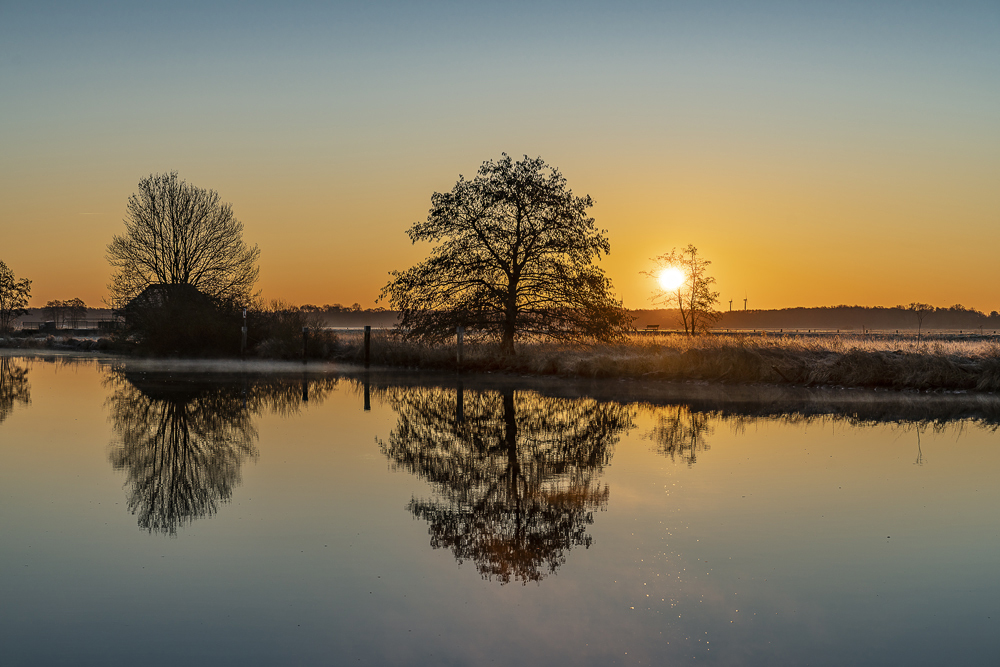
(275, 332)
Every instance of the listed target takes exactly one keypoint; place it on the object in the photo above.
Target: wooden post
(305, 342)
(460, 331)
(368, 346)
(460, 404)
(243, 340)
(368, 395)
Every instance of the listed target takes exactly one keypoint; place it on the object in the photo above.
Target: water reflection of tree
(182, 442)
(681, 432)
(14, 386)
(516, 473)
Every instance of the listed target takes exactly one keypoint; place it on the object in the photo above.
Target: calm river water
(182, 513)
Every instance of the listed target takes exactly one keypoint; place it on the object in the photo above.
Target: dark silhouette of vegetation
(846, 318)
(514, 258)
(179, 234)
(68, 312)
(693, 296)
(14, 386)
(921, 310)
(516, 474)
(275, 332)
(14, 295)
(178, 320)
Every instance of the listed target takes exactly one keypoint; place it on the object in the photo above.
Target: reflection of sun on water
(671, 278)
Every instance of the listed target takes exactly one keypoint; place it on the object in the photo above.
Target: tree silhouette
(14, 386)
(921, 310)
(693, 296)
(179, 234)
(514, 257)
(14, 295)
(516, 473)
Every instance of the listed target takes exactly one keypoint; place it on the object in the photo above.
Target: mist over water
(269, 514)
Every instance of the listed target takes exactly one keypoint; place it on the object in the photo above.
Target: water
(161, 513)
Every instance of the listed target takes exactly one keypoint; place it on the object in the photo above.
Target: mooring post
(460, 331)
(243, 339)
(368, 345)
(460, 404)
(305, 388)
(305, 342)
(368, 395)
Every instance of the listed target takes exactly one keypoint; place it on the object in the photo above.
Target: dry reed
(855, 361)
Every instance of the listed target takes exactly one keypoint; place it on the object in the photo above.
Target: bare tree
(14, 296)
(514, 257)
(176, 233)
(54, 311)
(920, 310)
(76, 310)
(692, 294)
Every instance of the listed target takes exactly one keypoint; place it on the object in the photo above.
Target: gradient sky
(818, 153)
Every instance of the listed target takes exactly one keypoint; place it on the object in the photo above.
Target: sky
(818, 153)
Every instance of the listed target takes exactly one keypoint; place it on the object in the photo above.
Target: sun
(671, 278)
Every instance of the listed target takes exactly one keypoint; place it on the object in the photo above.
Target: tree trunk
(509, 325)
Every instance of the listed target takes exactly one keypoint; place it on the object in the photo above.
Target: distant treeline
(834, 317)
(338, 315)
(827, 317)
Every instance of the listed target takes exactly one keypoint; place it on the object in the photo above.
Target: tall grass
(857, 361)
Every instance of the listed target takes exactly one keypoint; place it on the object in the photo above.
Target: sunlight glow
(671, 278)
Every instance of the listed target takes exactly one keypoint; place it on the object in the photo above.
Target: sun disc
(671, 278)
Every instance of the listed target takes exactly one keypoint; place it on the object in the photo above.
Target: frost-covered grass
(962, 364)
(864, 361)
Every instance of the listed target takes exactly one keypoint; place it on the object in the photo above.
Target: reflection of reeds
(856, 361)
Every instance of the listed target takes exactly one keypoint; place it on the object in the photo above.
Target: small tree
(54, 311)
(691, 292)
(178, 234)
(76, 310)
(514, 257)
(920, 310)
(14, 295)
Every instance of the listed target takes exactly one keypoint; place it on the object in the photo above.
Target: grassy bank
(847, 361)
(850, 361)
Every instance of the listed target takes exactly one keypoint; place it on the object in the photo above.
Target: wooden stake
(368, 346)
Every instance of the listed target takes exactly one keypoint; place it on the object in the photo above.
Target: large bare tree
(177, 234)
(514, 257)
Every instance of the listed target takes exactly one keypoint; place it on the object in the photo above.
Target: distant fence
(977, 332)
(81, 325)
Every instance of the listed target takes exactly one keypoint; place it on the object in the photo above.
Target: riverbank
(840, 361)
(847, 361)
